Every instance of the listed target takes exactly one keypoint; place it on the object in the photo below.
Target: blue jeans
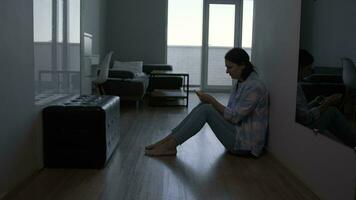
(196, 119)
(335, 122)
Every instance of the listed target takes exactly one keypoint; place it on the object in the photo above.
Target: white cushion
(132, 66)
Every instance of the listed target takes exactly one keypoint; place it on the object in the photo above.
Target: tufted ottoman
(81, 132)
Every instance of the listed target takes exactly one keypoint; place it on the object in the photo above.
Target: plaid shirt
(247, 109)
(306, 113)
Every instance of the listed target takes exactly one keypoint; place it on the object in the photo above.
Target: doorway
(199, 34)
(221, 32)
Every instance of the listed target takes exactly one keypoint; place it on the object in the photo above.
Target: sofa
(133, 87)
(323, 81)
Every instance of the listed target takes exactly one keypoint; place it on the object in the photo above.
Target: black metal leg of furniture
(171, 94)
(187, 89)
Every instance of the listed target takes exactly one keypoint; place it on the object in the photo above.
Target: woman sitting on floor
(241, 126)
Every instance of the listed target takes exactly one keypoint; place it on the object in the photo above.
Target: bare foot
(151, 146)
(165, 147)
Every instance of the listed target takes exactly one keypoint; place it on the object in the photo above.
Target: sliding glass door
(222, 31)
(184, 37)
(200, 32)
(221, 36)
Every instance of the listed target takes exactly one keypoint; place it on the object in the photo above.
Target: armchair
(323, 81)
(102, 74)
(349, 73)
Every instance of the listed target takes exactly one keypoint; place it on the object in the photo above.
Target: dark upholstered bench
(81, 132)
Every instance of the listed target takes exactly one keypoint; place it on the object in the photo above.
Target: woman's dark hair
(240, 57)
(305, 58)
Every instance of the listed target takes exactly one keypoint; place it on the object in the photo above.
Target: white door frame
(54, 35)
(205, 48)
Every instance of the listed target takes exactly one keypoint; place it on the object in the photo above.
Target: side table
(164, 96)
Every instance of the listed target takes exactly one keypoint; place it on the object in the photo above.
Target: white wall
(329, 30)
(327, 167)
(94, 22)
(20, 133)
(137, 30)
(17, 111)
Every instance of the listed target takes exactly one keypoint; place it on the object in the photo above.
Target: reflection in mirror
(326, 93)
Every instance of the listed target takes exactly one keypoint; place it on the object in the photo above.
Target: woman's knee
(207, 107)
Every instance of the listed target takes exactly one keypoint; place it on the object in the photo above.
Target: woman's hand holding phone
(199, 94)
(206, 98)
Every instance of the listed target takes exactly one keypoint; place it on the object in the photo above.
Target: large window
(42, 11)
(247, 23)
(185, 22)
(221, 38)
(56, 46)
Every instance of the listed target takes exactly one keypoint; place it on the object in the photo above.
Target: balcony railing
(62, 80)
(182, 58)
(188, 59)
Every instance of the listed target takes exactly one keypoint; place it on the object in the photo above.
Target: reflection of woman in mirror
(240, 126)
(321, 113)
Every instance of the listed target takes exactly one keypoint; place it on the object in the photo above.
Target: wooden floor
(202, 168)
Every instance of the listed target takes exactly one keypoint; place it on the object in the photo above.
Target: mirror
(326, 94)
